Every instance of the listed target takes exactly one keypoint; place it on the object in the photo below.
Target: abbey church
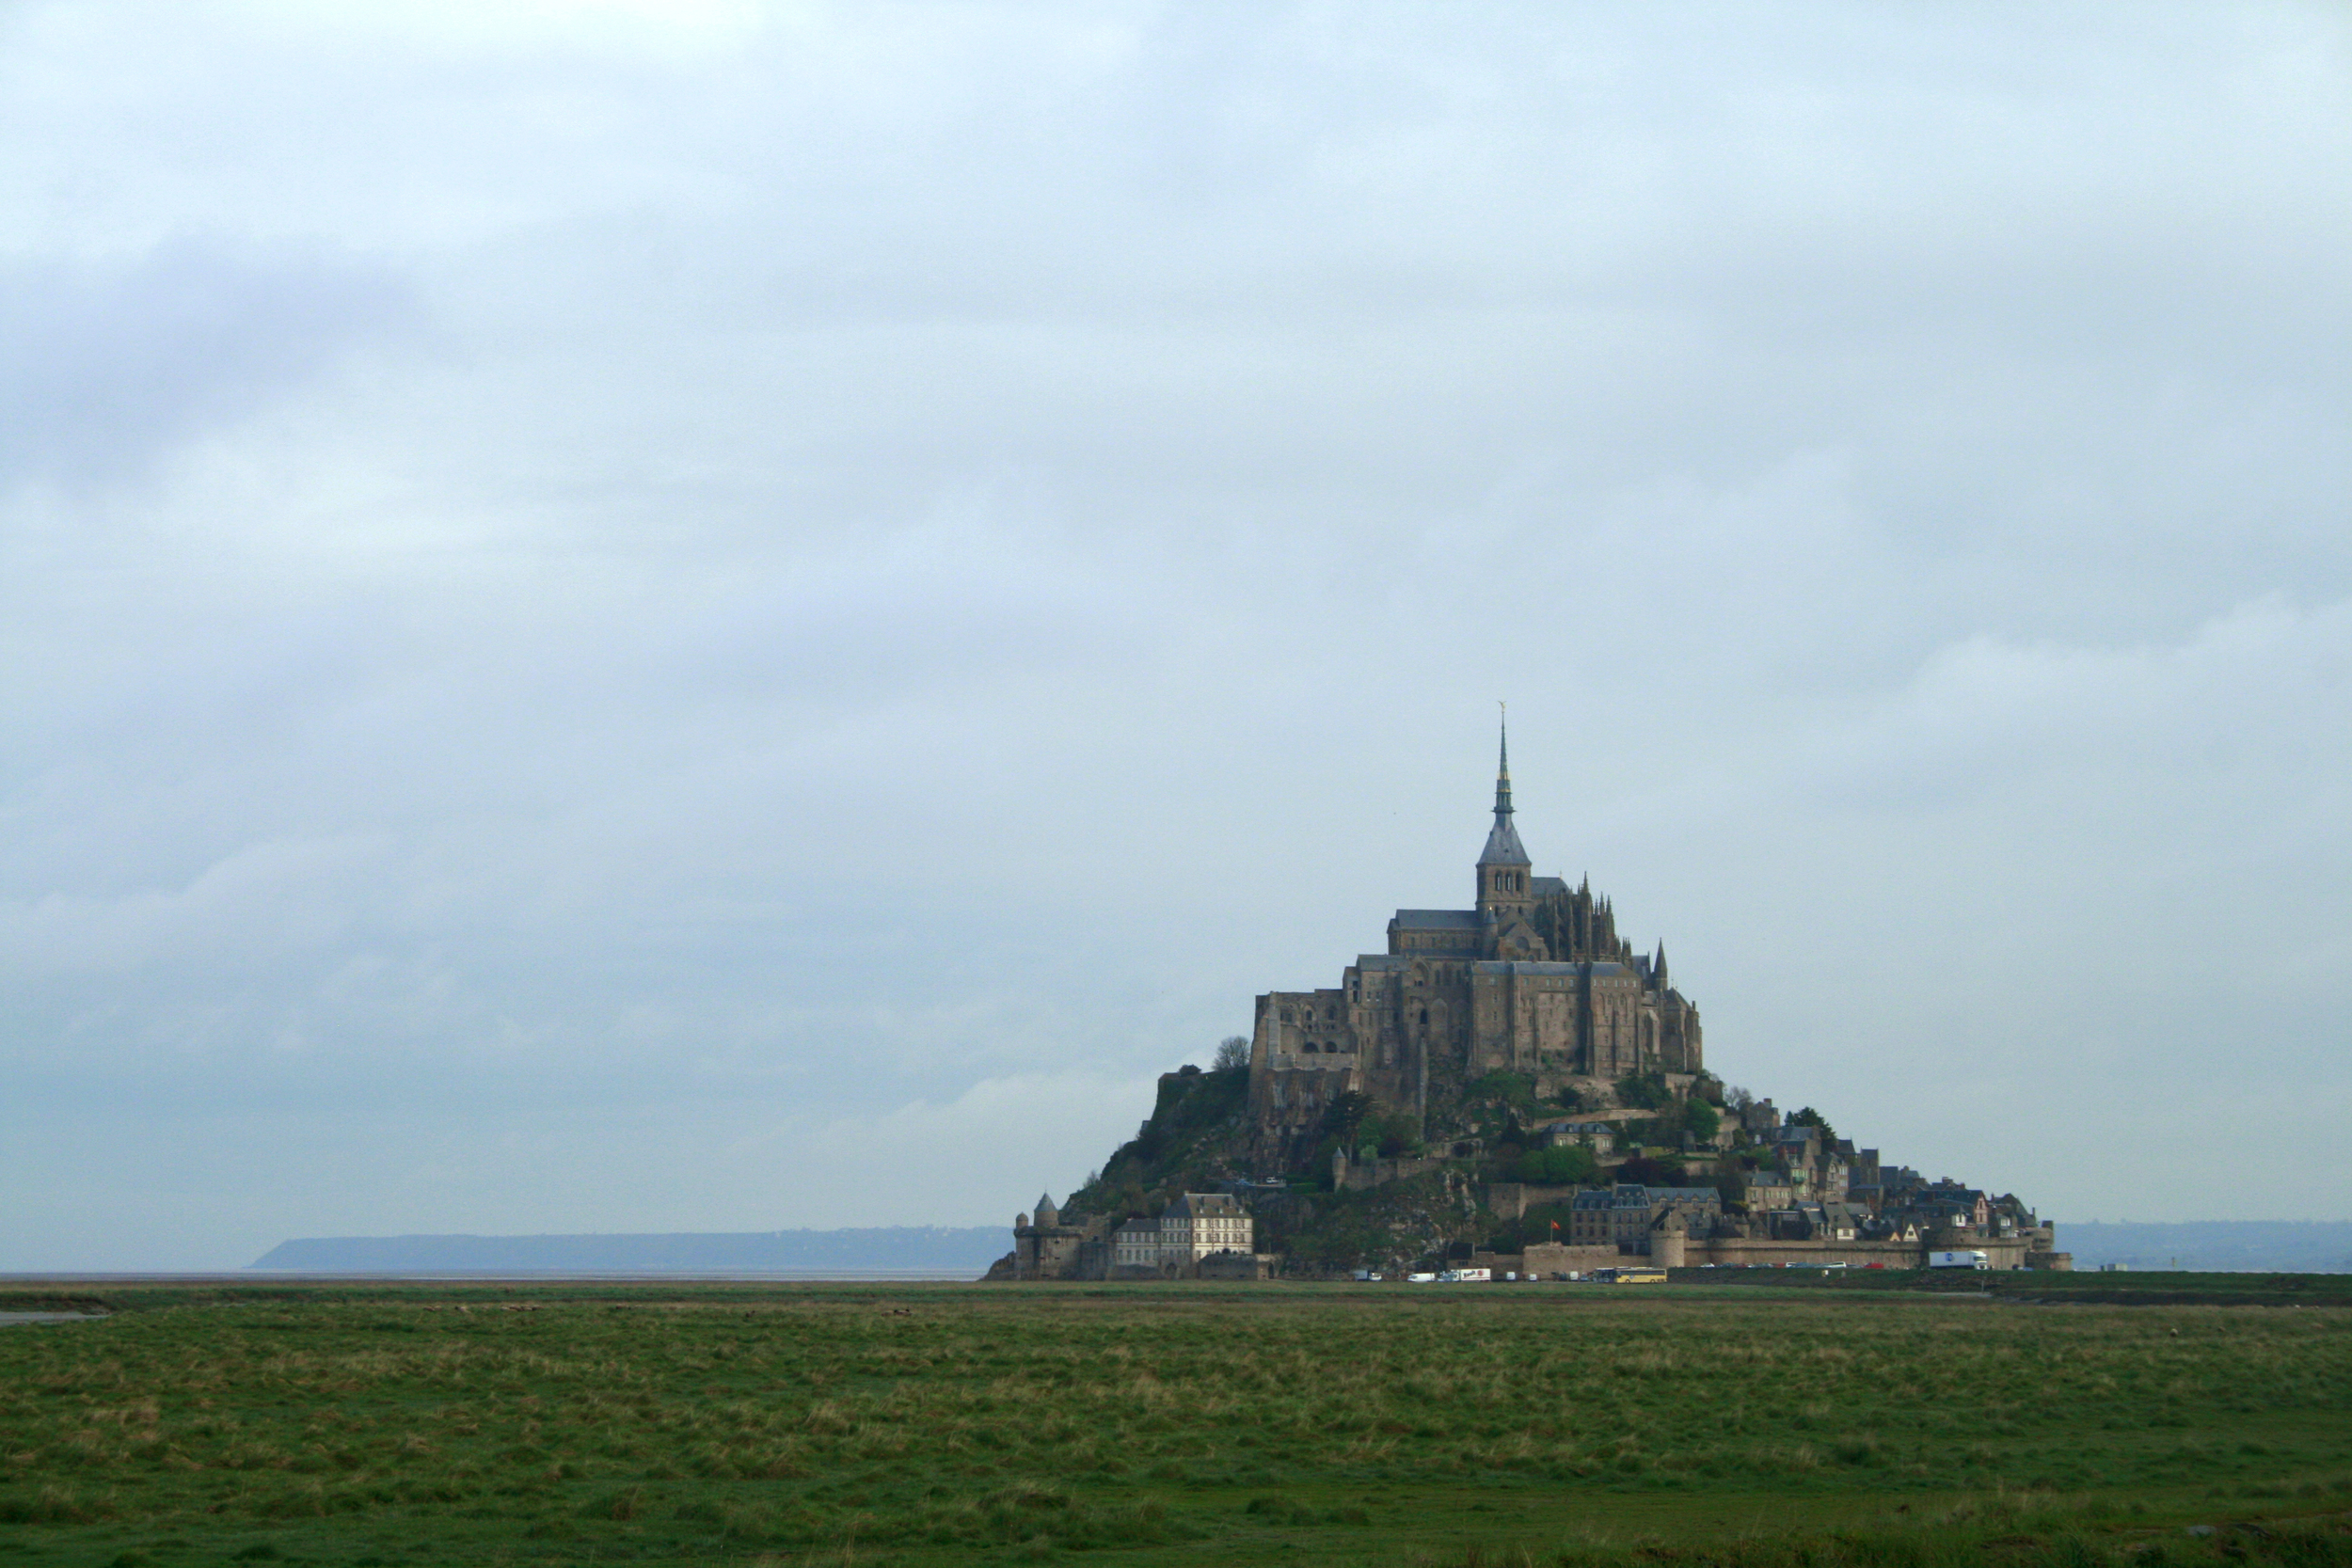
(1532, 981)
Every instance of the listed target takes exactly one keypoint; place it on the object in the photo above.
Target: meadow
(1298, 1424)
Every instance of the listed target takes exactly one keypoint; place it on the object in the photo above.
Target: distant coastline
(2213, 1246)
(887, 1252)
(947, 1252)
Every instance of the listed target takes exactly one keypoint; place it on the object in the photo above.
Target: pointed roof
(1503, 841)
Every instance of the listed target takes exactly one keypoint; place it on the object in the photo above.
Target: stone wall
(1547, 1259)
(1511, 1199)
(1753, 1253)
(1360, 1176)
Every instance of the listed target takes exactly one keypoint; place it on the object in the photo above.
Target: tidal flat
(920, 1424)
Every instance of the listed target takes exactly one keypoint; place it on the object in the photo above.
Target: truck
(1468, 1276)
(1971, 1258)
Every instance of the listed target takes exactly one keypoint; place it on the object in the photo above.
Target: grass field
(1309, 1425)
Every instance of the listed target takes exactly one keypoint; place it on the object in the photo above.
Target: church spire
(1502, 771)
(1502, 842)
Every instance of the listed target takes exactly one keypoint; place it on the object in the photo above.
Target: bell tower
(1505, 883)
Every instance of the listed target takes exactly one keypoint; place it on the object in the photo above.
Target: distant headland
(928, 1249)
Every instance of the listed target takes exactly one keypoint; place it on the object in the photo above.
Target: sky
(723, 617)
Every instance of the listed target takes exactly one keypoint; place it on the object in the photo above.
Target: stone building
(1534, 980)
(1625, 1215)
(1044, 1247)
(1199, 1223)
(1196, 1227)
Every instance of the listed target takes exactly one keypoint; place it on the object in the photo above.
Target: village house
(1598, 1136)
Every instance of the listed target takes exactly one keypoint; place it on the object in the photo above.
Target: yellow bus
(1640, 1276)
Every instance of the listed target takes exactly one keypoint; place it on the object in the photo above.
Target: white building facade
(1196, 1226)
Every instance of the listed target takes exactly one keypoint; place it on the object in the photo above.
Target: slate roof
(1440, 920)
(1204, 1205)
(1503, 843)
(1682, 1195)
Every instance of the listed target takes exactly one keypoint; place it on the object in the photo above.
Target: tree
(1232, 1054)
(1644, 1091)
(1346, 1114)
(1570, 1165)
(1703, 1121)
(1514, 1091)
(1811, 1118)
(1649, 1172)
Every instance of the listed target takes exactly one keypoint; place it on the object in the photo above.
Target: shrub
(1644, 1091)
(1556, 1167)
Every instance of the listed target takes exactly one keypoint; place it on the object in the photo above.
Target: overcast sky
(666, 617)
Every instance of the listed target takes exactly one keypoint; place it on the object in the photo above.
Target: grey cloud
(110, 365)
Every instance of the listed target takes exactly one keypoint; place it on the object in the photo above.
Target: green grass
(1756, 1426)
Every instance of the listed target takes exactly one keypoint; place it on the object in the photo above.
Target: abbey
(1533, 981)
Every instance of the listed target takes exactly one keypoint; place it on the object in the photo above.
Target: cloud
(112, 364)
(634, 625)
